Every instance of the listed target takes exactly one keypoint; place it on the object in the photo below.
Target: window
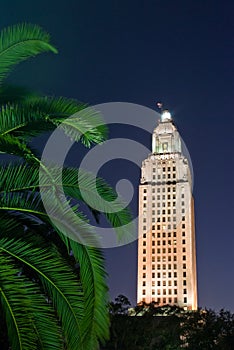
(144, 251)
(144, 275)
(144, 267)
(175, 274)
(175, 283)
(183, 234)
(184, 250)
(153, 274)
(185, 291)
(182, 195)
(158, 283)
(183, 241)
(175, 291)
(158, 250)
(184, 283)
(175, 300)
(184, 274)
(153, 242)
(175, 266)
(184, 257)
(159, 275)
(144, 259)
(184, 266)
(143, 292)
(183, 218)
(174, 250)
(183, 225)
(164, 292)
(153, 251)
(143, 283)
(185, 300)
(164, 300)
(144, 205)
(145, 191)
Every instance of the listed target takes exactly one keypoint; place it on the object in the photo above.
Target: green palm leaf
(15, 305)
(39, 114)
(20, 42)
(57, 278)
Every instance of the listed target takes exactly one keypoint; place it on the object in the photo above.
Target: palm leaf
(39, 114)
(20, 42)
(57, 278)
(16, 306)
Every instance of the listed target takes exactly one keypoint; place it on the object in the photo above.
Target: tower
(166, 244)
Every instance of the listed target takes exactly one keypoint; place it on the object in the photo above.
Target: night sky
(180, 52)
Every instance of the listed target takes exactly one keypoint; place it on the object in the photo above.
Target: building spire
(165, 114)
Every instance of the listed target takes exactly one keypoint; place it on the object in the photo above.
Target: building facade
(166, 244)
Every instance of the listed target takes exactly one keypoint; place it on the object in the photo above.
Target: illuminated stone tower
(166, 245)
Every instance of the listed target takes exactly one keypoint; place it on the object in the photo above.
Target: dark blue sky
(181, 52)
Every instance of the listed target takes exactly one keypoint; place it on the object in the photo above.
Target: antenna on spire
(160, 106)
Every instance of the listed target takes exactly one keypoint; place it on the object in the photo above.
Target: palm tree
(53, 293)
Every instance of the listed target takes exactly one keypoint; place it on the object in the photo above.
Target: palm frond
(57, 278)
(13, 296)
(39, 114)
(20, 42)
